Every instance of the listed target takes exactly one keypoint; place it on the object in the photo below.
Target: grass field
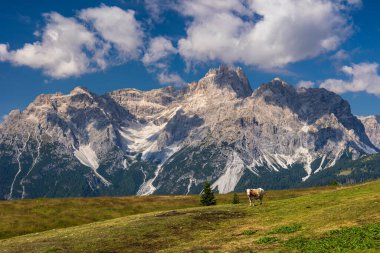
(328, 219)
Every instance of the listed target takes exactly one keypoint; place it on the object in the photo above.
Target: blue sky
(106, 45)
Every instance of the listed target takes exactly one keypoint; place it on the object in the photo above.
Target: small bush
(267, 239)
(235, 199)
(249, 232)
(207, 196)
(286, 229)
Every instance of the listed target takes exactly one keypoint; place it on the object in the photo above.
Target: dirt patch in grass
(169, 214)
(218, 215)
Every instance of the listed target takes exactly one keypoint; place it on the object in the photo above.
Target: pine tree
(235, 199)
(207, 196)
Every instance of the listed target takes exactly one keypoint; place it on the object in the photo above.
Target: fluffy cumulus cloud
(361, 77)
(3, 52)
(170, 78)
(159, 50)
(156, 59)
(268, 34)
(69, 47)
(60, 53)
(263, 33)
(116, 26)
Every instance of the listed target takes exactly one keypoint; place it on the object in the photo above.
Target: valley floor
(327, 219)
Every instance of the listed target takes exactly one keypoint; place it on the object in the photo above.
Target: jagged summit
(225, 78)
(80, 90)
(277, 91)
(278, 80)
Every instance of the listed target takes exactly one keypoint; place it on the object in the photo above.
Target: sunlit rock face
(170, 141)
(372, 128)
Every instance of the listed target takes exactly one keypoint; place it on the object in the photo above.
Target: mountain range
(172, 140)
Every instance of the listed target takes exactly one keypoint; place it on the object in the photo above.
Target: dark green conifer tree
(207, 196)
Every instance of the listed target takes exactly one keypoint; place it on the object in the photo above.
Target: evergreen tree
(235, 199)
(207, 196)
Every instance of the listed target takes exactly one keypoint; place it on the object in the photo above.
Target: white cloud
(305, 84)
(341, 55)
(155, 8)
(4, 54)
(61, 53)
(116, 26)
(159, 49)
(355, 3)
(156, 60)
(170, 78)
(68, 47)
(263, 33)
(362, 77)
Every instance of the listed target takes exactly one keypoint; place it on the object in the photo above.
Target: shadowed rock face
(312, 104)
(172, 140)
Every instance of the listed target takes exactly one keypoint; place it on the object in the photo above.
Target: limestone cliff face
(372, 128)
(172, 140)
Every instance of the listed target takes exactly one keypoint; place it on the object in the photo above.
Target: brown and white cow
(255, 194)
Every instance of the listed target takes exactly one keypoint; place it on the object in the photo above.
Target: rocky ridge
(172, 140)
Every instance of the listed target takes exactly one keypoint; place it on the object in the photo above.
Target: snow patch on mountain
(87, 156)
(233, 171)
(306, 158)
(192, 181)
(19, 153)
(147, 188)
(139, 137)
(321, 164)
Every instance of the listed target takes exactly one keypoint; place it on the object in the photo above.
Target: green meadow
(325, 219)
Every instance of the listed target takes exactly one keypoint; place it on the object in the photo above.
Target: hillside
(328, 219)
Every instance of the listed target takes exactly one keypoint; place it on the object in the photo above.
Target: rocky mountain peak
(276, 92)
(80, 90)
(226, 78)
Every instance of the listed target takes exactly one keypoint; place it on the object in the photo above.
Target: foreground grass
(345, 239)
(288, 221)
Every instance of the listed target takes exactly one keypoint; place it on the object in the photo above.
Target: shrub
(235, 199)
(207, 196)
(286, 229)
(249, 232)
(267, 239)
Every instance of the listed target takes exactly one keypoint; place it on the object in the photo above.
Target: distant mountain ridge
(169, 141)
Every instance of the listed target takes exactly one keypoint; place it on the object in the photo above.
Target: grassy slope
(21, 217)
(308, 214)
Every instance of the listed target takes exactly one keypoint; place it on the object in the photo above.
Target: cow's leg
(250, 201)
(261, 200)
